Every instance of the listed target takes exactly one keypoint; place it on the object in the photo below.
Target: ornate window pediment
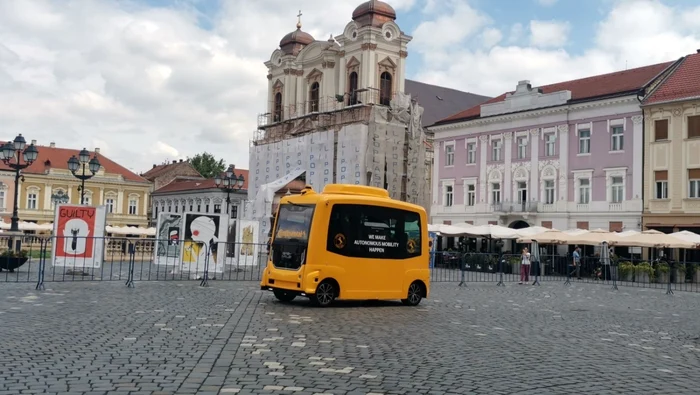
(387, 64)
(314, 76)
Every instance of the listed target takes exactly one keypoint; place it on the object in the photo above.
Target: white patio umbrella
(594, 237)
(688, 236)
(652, 238)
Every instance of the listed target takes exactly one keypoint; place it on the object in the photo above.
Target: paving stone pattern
(231, 338)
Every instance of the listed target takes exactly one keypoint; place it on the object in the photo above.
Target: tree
(207, 165)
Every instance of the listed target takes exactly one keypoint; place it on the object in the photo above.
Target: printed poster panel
(168, 235)
(432, 236)
(204, 239)
(248, 243)
(79, 233)
(352, 146)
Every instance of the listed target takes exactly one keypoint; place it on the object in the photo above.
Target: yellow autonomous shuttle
(348, 242)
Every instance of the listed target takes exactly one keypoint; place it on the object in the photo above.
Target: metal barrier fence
(128, 260)
(137, 259)
(507, 268)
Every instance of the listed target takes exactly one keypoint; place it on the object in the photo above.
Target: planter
(696, 275)
(662, 278)
(641, 277)
(11, 263)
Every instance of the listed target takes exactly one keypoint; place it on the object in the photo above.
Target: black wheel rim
(325, 294)
(414, 293)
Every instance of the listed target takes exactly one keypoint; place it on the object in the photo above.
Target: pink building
(566, 155)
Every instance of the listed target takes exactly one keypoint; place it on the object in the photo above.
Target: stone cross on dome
(299, 20)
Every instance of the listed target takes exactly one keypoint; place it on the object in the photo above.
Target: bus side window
(412, 230)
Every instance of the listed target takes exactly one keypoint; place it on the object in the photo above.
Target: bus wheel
(325, 294)
(284, 296)
(415, 294)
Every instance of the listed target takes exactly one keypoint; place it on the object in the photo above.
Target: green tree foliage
(207, 165)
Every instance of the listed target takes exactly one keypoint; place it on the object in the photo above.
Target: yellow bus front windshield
(291, 236)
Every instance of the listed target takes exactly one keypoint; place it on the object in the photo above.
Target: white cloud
(491, 37)
(458, 22)
(632, 33)
(516, 33)
(547, 3)
(549, 33)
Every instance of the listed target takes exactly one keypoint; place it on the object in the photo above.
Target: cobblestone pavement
(179, 338)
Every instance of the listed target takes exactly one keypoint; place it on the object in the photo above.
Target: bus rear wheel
(325, 294)
(284, 296)
(415, 294)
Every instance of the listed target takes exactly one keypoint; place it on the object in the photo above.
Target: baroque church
(342, 110)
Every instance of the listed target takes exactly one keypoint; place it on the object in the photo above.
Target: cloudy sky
(155, 80)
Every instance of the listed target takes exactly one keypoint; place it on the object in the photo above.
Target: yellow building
(48, 181)
(672, 150)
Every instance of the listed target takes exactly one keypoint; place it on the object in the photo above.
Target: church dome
(294, 42)
(373, 13)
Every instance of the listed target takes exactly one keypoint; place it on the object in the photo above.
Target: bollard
(43, 243)
(132, 262)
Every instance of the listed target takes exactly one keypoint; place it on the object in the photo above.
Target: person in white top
(524, 266)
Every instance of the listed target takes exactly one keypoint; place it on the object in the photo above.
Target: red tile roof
(683, 83)
(194, 185)
(158, 170)
(52, 157)
(598, 86)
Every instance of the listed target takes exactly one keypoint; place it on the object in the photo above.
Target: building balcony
(515, 207)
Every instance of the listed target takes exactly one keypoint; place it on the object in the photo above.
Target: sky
(153, 80)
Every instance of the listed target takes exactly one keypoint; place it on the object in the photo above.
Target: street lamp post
(18, 156)
(82, 161)
(229, 183)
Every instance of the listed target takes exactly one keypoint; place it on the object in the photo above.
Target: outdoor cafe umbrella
(651, 239)
(594, 237)
(688, 236)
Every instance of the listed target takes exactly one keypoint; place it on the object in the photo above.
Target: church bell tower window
(385, 88)
(314, 97)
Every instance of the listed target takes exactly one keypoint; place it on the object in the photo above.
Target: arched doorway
(519, 225)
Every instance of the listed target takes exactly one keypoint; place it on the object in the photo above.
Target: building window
(191, 207)
(522, 147)
(618, 139)
(170, 208)
(352, 88)
(694, 127)
(661, 130)
(32, 201)
(155, 212)
(385, 88)
(206, 208)
(449, 195)
(694, 189)
(217, 208)
(471, 153)
(617, 191)
(495, 193)
(549, 144)
(133, 206)
(199, 208)
(549, 192)
(2, 200)
(314, 96)
(584, 141)
(496, 150)
(449, 155)
(278, 107)
(234, 212)
(109, 202)
(661, 180)
(584, 191)
(470, 198)
(176, 207)
(87, 200)
(694, 183)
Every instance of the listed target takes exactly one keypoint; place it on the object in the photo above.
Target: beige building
(672, 150)
(48, 181)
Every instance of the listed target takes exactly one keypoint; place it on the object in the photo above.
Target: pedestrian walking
(524, 266)
(577, 262)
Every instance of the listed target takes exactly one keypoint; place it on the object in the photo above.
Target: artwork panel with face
(75, 233)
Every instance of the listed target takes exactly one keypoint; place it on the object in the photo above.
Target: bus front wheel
(284, 296)
(415, 294)
(325, 294)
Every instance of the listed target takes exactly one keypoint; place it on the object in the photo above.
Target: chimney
(174, 161)
(34, 142)
(52, 145)
(154, 165)
(180, 160)
(97, 150)
(698, 50)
